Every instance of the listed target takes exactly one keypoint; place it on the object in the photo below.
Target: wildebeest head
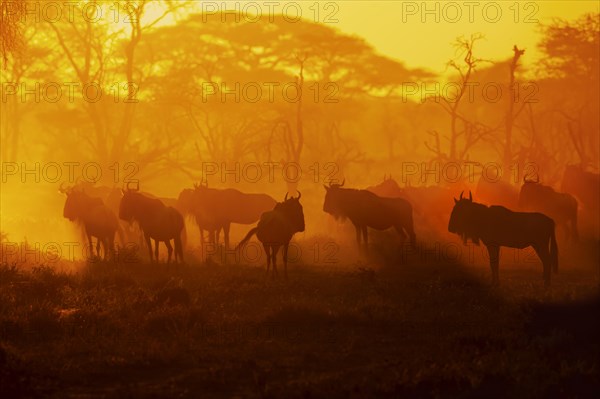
(583, 185)
(200, 194)
(185, 201)
(533, 192)
(78, 203)
(388, 188)
(292, 209)
(128, 206)
(333, 199)
(463, 218)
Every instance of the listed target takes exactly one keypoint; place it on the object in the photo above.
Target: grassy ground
(343, 330)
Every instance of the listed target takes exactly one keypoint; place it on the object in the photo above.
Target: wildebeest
(157, 221)
(497, 192)
(202, 216)
(497, 226)
(584, 185)
(111, 196)
(365, 209)
(276, 228)
(216, 209)
(98, 220)
(430, 204)
(561, 207)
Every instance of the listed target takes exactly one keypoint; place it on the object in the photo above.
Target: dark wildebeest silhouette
(111, 196)
(497, 226)
(429, 203)
(365, 209)
(584, 185)
(276, 228)
(157, 221)
(562, 207)
(98, 220)
(202, 216)
(497, 193)
(216, 209)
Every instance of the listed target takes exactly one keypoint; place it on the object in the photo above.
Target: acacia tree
(29, 64)
(571, 65)
(104, 55)
(11, 14)
(511, 115)
(460, 141)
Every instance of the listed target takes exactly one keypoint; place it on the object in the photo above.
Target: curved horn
(343, 181)
(286, 195)
(62, 188)
(133, 189)
(470, 196)
(299, 194)
(461, 194)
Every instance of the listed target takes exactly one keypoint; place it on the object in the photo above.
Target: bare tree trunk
(510, 115)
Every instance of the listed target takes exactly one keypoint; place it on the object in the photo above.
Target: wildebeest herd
(516, 219)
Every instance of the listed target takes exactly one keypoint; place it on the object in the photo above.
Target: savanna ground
(423, 327)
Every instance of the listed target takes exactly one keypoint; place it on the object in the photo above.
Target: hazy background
(362, 66)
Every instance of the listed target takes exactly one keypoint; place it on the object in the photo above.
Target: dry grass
(347, 330)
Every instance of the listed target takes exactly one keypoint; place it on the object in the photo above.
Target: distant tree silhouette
(460, 141)
(572, 60)
(11, 27)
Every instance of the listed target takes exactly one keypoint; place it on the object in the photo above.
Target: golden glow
(419, 34)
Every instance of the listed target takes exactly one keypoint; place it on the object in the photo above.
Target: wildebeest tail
(248, 236)
(553, 251)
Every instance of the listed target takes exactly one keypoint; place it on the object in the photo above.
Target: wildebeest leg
(169, 250)
(268, 252)
(412, 236)
(104, 243)
(156, 243)
(544, 255)
(401, 233)
(98, 247)
(89, 237)
(366, 239)
(201, 236)
(111, 247)
(285, 254)
(226, 234)
(357, 236)
(274, 260)
(149, 245)
(494, 252)
(178, 248)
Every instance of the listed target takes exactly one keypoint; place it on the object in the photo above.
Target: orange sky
(419, 43)
(405, 31)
